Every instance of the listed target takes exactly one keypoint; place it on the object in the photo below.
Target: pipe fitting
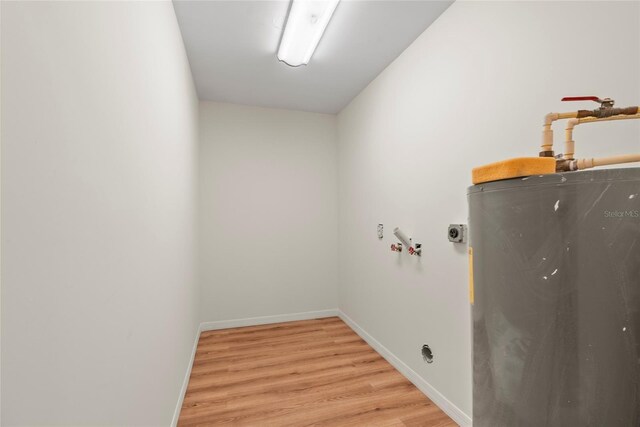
(550, 118)
(584, 164)
(546, 149)
(569, 143)
(563, 165)
(604, 112)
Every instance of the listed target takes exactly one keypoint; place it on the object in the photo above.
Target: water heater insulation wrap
(556, 309)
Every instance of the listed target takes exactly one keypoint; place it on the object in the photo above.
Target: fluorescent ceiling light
(305, 25)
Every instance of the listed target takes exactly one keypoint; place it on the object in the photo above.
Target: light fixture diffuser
(305, 25)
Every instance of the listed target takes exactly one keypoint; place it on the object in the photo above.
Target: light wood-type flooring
(312, 372)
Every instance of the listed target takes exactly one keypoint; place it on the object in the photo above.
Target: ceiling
(232, 48)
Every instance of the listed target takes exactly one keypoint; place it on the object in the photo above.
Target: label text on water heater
(622, 214)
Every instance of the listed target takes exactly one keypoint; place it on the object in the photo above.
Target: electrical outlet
(457, 233)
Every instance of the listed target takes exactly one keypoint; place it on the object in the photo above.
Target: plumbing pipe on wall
(402, 237)
(569, 144)
(547, 131)
(605, 111)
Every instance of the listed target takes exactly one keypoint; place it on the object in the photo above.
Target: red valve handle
(581, 98)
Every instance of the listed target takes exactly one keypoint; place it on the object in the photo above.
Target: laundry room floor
(312, 372)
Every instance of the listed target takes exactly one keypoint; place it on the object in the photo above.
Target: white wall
(472, 89)
(268, 211)
(99, 135)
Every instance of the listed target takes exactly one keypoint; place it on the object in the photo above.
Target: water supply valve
(604, 103)
(606, 107)
(607, 111)
(417, 251)
(396, 247)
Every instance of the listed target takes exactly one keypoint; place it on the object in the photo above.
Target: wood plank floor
(313, 372)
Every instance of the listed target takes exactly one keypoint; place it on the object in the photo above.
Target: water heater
(555, 288)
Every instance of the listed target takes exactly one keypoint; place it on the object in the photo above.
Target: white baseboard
(265, 320)
(185, 382)
(436, 397)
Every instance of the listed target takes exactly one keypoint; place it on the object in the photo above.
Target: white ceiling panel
(232, 49)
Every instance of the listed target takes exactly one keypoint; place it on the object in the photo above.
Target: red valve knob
(604, 103)
(581, 98)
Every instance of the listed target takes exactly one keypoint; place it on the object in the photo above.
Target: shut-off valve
(396, 247)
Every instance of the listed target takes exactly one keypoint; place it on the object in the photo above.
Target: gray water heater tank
(556, 300)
